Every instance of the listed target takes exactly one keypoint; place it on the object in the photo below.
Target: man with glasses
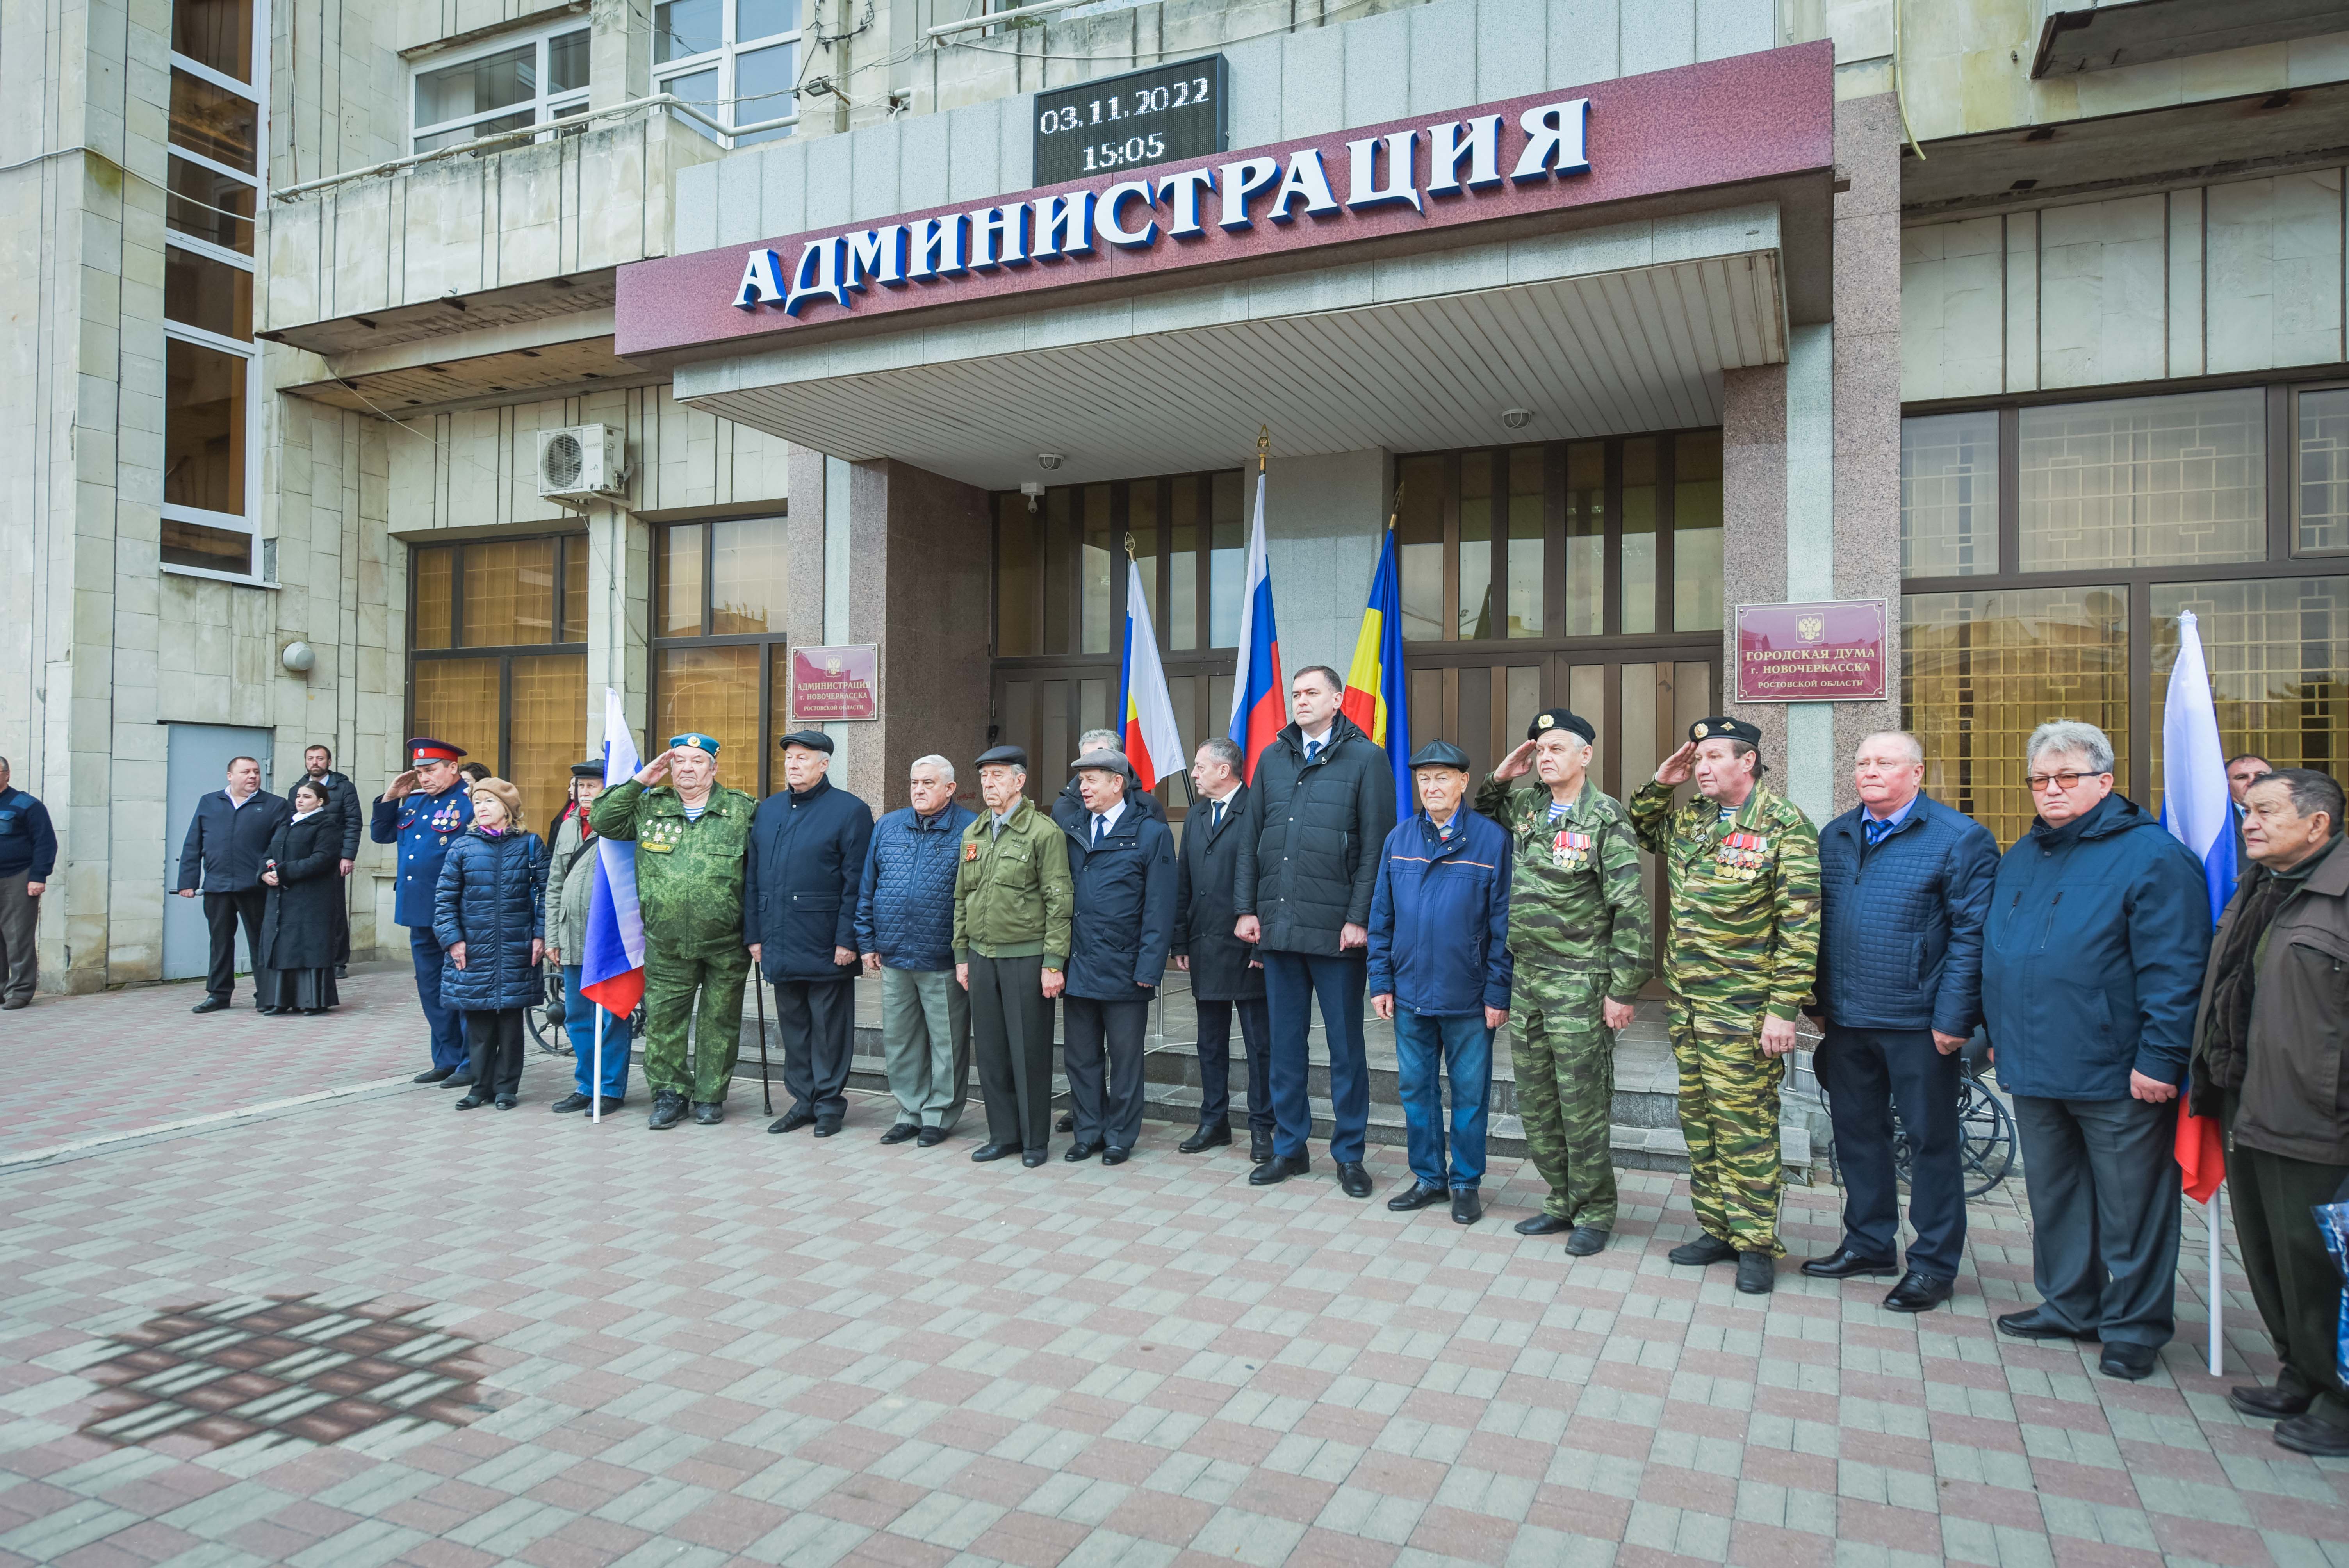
(2093, 952)
(423, 811)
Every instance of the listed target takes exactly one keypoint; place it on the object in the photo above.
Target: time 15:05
(1128, 106)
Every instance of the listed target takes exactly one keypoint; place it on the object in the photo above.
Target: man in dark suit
(800, 884)
(343, 809)
(227, 840)
(1226, 976)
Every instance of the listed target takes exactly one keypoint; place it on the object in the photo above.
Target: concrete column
(619, 619)
(1808, 775)
(1325, 518)
(619, 55)
(1753, 519)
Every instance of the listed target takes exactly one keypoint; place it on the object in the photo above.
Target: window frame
(772, 703)
(726, 57)
(2299, 390)
(546, 108)
(255, 92)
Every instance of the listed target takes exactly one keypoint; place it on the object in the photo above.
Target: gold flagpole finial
(1398, 507)
(1128, 546)
(1263, 445)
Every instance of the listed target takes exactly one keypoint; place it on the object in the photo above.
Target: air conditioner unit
(578, 460)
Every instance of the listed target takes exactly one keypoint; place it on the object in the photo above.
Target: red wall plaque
(831, 684)
(1828, 652)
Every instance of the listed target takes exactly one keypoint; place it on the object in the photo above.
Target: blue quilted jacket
(1901, 925)
(905, 910)
(492, 897)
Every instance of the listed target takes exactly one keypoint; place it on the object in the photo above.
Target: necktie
(1312, 749)
(1219, 817)
(1100, 825)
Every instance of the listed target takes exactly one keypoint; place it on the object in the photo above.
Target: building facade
(2025, 319)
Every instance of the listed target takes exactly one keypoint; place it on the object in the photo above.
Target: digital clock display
(1142, 117)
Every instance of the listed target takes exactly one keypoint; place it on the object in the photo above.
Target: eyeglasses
(2066, 782)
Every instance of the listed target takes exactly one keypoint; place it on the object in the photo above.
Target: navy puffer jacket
(492, 897)
(905, 908)
(1310, 852)
(1901, 925)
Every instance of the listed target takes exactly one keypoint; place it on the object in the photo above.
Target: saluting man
(1741, 944)
(423, 813)
(1579, 929)
(690, 836)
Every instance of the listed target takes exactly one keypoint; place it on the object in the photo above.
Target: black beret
(814, 739)
(593, 767)
(1008, 755)
(1561, 718)
(1721, 728)
(1440, 754)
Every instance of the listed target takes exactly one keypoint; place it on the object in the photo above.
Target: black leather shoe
(1757, 1272)
(1113, 1155)
(1919, 1292)
(827, 1126)
(1259, 1148)
(473, 1101)
(1034, 1156)
(1844, 1262)
(1542, 1225)
(1081, 1151)
(669, 1109)
(1705, 1250)
(2036, 1325)
(1466, 1207)
(1068, 1123)
(708, 1113)
(507, 1102)
(458, 1080)
(608, 1106)
(1416, 1196)
(929, 1138)
(1352, 1180)
(2130, 1363)
(433, 1075)
(2312, 1434)
(275, 1012)
(987, 1151)
(569, 1103)
(2266, 1403)
(903, 1132)
(792, 1120)
(1586, 1240)
(1215, 1137)
(211, 1005)
(1276, 1169)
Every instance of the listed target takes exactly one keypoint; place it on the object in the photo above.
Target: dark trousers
(496, 1042)
(1430, 1052)
(1215, 1062)
(817, 1021)
(222, 913)
(447, 1024)
(20, 914)
(1868, 1073)
(2292, 1277)
(2103, 1180)
(342, 922)
(1011, 1039)
(1292, 981)
(1104, 1057)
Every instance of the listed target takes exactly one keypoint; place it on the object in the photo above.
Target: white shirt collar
(1108, 819)
(1311, 739)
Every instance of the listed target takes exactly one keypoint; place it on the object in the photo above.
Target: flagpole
(2211, 1219)
(595, 1082)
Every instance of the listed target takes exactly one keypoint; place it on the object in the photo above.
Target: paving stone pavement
(713, 1345)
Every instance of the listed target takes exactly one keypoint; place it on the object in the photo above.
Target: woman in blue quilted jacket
(487, 915)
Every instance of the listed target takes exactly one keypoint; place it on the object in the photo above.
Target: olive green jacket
(689, 872)
(1013, 895)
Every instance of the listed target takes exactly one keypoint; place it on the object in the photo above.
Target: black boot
(669, 1109)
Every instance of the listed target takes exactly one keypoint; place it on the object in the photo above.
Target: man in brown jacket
(2269, 1039)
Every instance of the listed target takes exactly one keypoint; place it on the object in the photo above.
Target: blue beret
(698, 742)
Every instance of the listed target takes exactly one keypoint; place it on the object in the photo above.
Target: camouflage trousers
(1565, 1061)
(1729, 1114)
(703, 991)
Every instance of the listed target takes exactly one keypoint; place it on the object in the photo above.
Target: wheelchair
(1985, 1126)
(545, 1018)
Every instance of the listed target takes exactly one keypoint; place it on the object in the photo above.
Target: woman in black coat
(488, 912)
(296, 965)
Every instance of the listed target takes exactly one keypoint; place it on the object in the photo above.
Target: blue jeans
(447, 1024)
(579, 1021)
(1463, 1049)
(1292, 983)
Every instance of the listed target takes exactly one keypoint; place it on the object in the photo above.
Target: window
(213, 171)
(2144, 482)
(497, 660)
(2323, 477)
(721, 597)
(736, 59)
(506, 85)
(1949, 495)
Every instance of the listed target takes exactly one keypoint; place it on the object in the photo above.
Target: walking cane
(759, 991)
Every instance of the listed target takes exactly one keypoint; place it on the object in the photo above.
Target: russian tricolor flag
(611, 969)
(2197, 807)
(1377, 688)
(1154, 747)
(1259, 697)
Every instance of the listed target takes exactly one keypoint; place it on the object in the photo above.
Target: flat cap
(1007, 756)
(1102, 758)
(590, 768)
(696, 739)
(424, 748)
(1440, 754)
(814, 739)
(1721, 728)
(1564, 718)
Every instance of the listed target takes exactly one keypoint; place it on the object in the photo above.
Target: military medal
(1742, 857)
(1572, 851)
(970, 851)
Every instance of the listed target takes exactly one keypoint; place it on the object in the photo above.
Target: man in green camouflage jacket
(1578, 930)
(691, 835)
(1741, 944)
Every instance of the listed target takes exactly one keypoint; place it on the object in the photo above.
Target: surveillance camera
(1034, 490)
(1516, 418)
(1048, 460)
